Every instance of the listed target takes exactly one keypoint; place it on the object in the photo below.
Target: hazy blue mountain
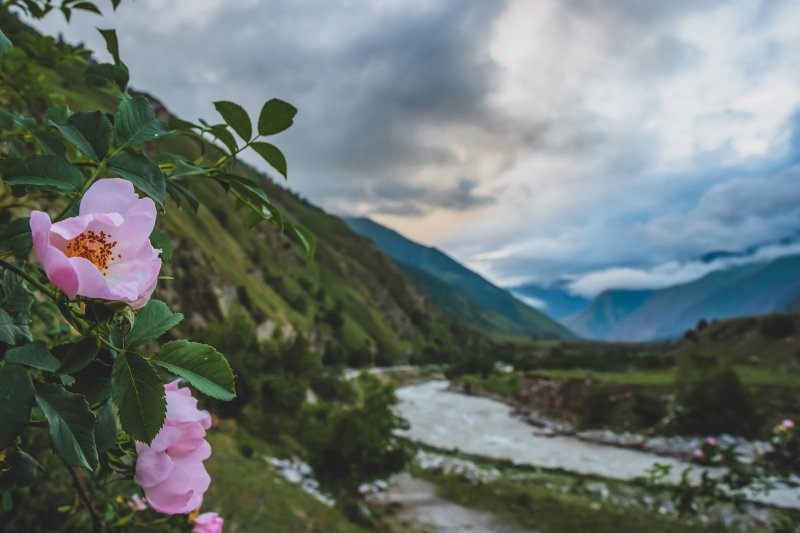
(555, 300)
(606, 312)
(460, 291)
(743, 290)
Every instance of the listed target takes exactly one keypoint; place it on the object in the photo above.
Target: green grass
(749, 375)
(251, 496)
(547, 507)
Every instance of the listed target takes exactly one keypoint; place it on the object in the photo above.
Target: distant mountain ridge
(744, 290)
(554, 300)
(461, 292)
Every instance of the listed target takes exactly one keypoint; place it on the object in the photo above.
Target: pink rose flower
(698, 453)
(788, 424)
(711, 440)
(208, 523)
(170, 469)
(105, 251)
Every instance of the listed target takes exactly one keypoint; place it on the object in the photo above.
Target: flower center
(93, 246)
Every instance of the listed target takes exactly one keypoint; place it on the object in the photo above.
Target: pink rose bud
(136, 503)
(105, 251)
(788, 424)
(698, 453)
(711, 440)
(170, 469)
(208, 523)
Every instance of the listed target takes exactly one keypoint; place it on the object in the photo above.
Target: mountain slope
(746, 290)
(737, 291)
(606, 312)
(460, 291)
(351, 299)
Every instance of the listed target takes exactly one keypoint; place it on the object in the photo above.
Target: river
(484, 427)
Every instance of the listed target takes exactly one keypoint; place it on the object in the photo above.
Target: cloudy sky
(530, 139)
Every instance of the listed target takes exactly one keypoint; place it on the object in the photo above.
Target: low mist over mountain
(742, 290)
(554, 300)
(460, 291)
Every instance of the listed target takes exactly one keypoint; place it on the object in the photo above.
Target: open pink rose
(170, 469)
(208, 523)
(105, 251)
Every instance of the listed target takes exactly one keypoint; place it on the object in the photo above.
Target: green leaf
(152, 321)
(93, 381)
(49, 143)
(56, 113)
(111, 79)
(182, 168)
(271, 155)
(13, 330)
(16, 149)
(105, 432)
(139, 396)
(16, 400)
(16, 298)
(71, 424)
(276, 116)
(6, 120)
(136, 122)
(88, 6)
(236, 117)
(15, 238)
(110, 36)
(89, 132)
(226, 137)
(201, 365)
(307, 239)
(34, 354)
(47, 172)
(161, 241)
(177, 189)
(76, 355)
(18, 471)
(5, 43)
(142, 172)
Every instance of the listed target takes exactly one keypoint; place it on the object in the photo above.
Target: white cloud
(671, 273)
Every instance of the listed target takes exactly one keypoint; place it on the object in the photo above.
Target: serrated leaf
(93, 381)
(88, 132)
(152, 321)
(76, 355)
(35, 355)
(15, 238)
(111, 79)
(276, 116)
(12, 330)
(236, 117)
(226, 137)
(136, 122)
(16, 401)
(105, 432)
(16, 297)
(47, 172)
(139, 395)
(49, 143)
(142, 172)
(201, 365)
(161, 241)
(5, 43)
(71, 424)
(271, 155)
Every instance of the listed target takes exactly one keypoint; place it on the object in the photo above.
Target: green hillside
(460, 291)
(350, 300)
(606, 312)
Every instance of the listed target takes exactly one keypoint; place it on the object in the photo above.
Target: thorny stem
(97, 523)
